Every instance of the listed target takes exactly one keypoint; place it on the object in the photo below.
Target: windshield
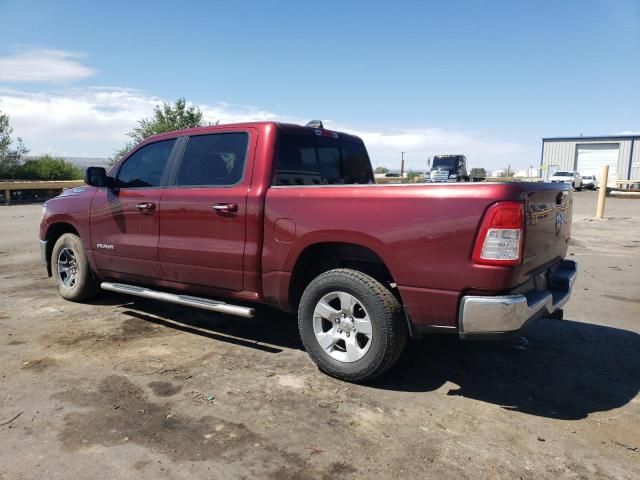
(563, 174)
(447, 163)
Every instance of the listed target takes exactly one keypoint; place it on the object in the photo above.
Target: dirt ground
(127, 388)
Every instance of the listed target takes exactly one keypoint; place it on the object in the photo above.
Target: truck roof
(283, 127)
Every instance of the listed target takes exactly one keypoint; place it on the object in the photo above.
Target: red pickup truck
(290, 216)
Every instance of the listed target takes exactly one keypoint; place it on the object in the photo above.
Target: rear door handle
(225, 207)
(146, 207)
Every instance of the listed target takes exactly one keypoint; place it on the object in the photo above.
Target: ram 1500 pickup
(229, 217)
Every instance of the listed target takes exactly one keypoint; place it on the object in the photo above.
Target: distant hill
(84, 162)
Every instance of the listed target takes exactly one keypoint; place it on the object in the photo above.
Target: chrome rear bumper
(509, 313)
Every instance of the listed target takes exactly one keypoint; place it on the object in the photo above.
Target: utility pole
(402, 165)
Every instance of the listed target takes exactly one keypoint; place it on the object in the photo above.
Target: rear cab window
(320, 157)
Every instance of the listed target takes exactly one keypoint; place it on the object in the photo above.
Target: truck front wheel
(71, 270)
(352, 327)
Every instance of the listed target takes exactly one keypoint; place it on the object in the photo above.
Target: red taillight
(499, 241)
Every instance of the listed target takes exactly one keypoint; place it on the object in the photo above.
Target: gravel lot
(127, 388)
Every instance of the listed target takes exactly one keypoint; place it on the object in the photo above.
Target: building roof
(594, 137)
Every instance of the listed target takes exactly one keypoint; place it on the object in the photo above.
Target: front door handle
(225, 207)
(146, 207)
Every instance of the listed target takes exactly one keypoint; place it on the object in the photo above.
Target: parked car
(570, 178)
(229, 217)
(589, 182)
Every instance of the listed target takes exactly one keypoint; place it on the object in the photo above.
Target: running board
(186, 300)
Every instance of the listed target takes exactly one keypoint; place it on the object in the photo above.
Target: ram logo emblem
(104, 246)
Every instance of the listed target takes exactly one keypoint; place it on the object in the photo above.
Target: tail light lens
(501, 234)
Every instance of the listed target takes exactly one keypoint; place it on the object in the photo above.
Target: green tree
(382, 170)
(166, 118)
(10, 155)
(5, 133)
(478, 172)
(46, 167)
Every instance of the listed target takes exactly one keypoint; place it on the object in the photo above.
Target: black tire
(388, 325)
(84, 285)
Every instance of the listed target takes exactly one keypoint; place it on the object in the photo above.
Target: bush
(478, 172)
(413, 175)
(47, 167)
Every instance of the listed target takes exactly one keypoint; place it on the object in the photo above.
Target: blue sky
(484, 78)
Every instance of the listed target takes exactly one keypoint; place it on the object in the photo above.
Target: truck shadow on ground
(562, 369)
(270, 331)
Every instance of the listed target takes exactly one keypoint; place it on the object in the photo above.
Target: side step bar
(187, 300)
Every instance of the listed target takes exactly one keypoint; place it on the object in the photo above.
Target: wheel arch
(54, 232)
(320, 257)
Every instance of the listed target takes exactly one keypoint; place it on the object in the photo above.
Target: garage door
(592, 157)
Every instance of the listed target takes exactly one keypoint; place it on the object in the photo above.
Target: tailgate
(548, 215)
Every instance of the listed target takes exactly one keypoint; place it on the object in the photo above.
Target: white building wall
(527, 173)
(562, 153)
(635, 160)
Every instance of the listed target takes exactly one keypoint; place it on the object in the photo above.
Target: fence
(22, 189)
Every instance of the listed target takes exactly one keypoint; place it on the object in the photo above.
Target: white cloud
(93, 122)
(43, 65)
(420, 144)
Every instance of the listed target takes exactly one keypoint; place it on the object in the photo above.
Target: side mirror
(97, 177)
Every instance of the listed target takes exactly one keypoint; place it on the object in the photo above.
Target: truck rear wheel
(352, 327)
(71, 270)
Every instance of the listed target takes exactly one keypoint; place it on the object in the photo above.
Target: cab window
(145, 167)
(213, 160)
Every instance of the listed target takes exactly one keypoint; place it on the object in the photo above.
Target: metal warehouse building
(588, 154)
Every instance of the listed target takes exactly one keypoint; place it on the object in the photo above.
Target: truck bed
(424, 234)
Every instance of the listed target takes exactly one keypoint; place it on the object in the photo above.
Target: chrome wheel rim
(67, 268)
(342, 327)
